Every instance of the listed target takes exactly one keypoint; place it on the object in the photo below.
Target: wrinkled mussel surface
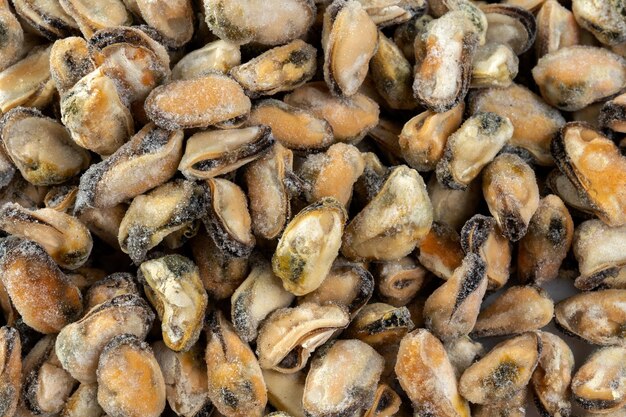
(312, 208)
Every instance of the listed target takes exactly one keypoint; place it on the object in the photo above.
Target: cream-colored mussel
(309, 245)
(173, 286)
(51, 159)
(393, 222)
(289, 335)
(63, 236)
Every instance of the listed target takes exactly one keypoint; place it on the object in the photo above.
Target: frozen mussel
(600, 261)
(503, 372)
(517, 310)
(92, 17)
(379, 324)
(599, 385)
(153, 216)
(46, 386)
(199, 102)
(309, 245)
(556, 28)
(392, 75)
(185, 376)
(139, 391)
(80, 344)
(269, 193)
(46, 17)
(214, 56)
(28, 273)
(289, 335)
(96, 93)
(598, 317)
(64, 237)
(280, 69)
(350, 40)
(511, 192)
(332, 173)
(27, 82)
(443, 71)
(552, 376)
(440, 250)
(393, 222)
(53, 159)
(565, 84)
(259, 295)
(329, 393)
(228, 219)
(605, 19)
(109, 287)
(70, 60)
(235, 383)
(534, 122)
(350, 118)
(174, 288)
(545, 245)
(10, 371)
(451, 310)
(597, 169)
(217, 152)
(481, 235)
(510, 25)
(147, 160)
(472, 147)
(136, 62)
(423, 138)
(12, 46)
(292, 127)
(427, 376)
(266, 22)
(399, 281)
